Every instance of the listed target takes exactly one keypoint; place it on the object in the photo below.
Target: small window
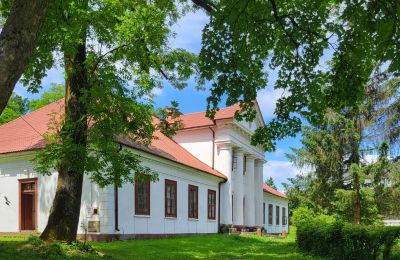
(211, 204)
(28, 187)
(264, 213)
(277, 215)
(142, 197)
(244, 164)
(270, 214)
(193, 201)
(284, 217)
(170, 198)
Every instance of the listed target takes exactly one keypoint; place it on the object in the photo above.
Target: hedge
(341, 240)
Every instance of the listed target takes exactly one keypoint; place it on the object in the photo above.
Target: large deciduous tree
(17, 41)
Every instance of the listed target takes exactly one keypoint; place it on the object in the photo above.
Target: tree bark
(17, 42)
(64, 215)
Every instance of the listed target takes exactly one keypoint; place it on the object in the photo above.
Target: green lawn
(203, 247)
(188, 247)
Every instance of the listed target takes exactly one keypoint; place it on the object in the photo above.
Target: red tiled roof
(199, 119)
(268, 189)
(25, 134)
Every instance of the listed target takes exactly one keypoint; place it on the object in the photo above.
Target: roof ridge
(191, 113)
(31, 112)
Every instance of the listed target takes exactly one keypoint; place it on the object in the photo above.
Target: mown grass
(188, 247)
(204, 247)
(24, 247)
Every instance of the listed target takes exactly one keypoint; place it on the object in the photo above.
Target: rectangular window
(170, 198)
(193, 201)
(264, 213)
(270, 214)
(277, 215)
(211, 204)
(284, 218)
(142, 198)
(244, 164)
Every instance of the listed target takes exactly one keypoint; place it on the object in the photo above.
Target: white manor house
(209, 176)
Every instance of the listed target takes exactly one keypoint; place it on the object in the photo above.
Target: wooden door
(28, 204)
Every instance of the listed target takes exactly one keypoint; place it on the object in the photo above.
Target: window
(277, 215)
(264, 213)
(193, 201)
(170, 198)
(284, 218)
(244, 164)
(142, 198)
(211, 204)
(270, 209)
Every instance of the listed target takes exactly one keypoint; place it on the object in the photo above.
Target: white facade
(15, 168)
(272, 223)
(226, 147)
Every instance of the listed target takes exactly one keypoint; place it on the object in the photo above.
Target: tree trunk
(17, 42)
(64, 215)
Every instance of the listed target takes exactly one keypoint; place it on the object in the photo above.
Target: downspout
(116, 201)
(116, 207)
(219, 205)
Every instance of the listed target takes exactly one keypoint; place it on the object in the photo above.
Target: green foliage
(270, 182)
(169, 119)
(16, 107)
(56, 92)
(242, 39)
(341, 240)
(343, 206)
(301, 216)
(127, 55)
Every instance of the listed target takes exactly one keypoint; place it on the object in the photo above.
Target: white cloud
(157, 91)
(267, 99)
(280, 171)
(189, 30)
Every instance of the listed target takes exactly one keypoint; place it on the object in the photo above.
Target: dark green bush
(346, 241)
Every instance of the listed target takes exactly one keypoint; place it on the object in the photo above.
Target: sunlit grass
(187, 247)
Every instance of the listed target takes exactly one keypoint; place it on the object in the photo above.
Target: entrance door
(28, 204)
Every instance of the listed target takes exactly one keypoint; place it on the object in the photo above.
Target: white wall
(157, 223)
(11, 170)
(14, 168)
(198, 142)
(275, 201)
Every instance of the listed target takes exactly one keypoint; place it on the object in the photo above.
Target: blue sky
(188, 36)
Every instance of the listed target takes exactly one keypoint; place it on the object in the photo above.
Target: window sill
(141, 216)
(170, 217)
(193, 219)
(212, 220)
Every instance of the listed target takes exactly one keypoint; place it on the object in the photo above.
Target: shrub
(302, 216)
(341, 240)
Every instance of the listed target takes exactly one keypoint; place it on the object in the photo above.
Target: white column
(224, 165)
(238, 189)
(249, 192)
(258, 191)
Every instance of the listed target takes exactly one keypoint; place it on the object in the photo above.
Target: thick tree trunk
(64, 215)
(17, 41)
